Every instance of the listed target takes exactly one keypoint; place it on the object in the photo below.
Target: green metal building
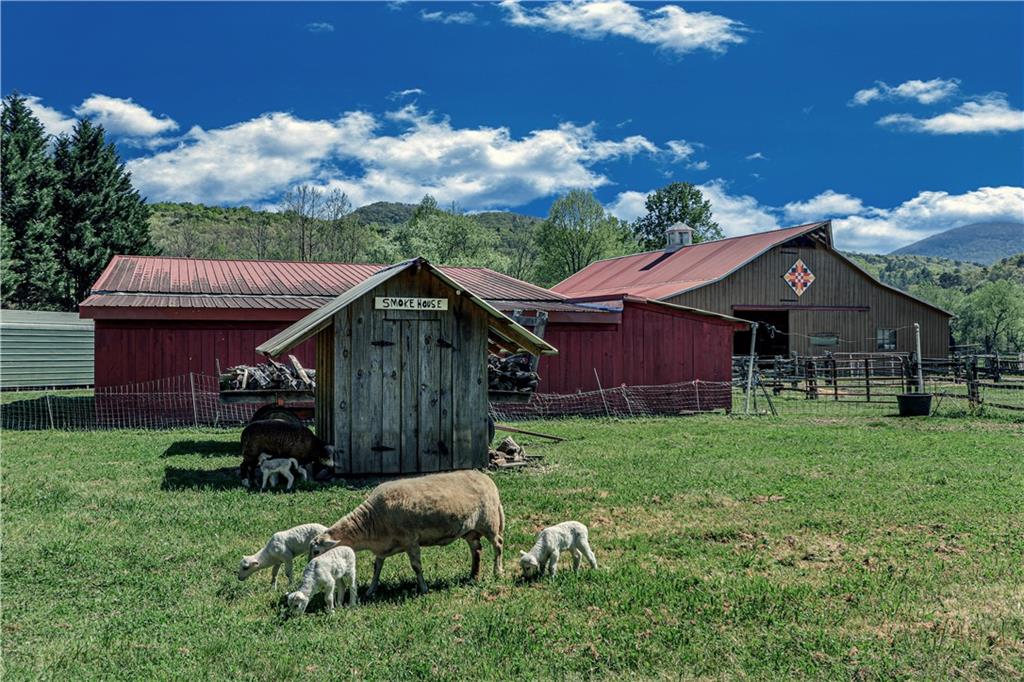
(40, 349)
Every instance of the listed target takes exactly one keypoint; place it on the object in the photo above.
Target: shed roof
(658, 274)
(244, 280)
(500, 324)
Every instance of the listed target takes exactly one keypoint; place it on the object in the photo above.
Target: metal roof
(658, 274)
(245, 279)
(500, 324)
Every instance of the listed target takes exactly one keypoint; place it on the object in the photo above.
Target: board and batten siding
(842, 300)
(406, 389)
(43, 349)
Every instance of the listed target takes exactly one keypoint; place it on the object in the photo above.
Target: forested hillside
(982, 243)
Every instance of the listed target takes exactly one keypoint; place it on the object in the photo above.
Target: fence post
(920, 360)
(696, 391)
(750, 366)
(49, 409)
(867, 378)
(973, 394)
(812, 379)
(835, 378)
(195, 409)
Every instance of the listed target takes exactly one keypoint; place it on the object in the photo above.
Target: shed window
(886, 339)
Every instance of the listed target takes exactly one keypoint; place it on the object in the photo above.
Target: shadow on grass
(176, 478)
(203, 448)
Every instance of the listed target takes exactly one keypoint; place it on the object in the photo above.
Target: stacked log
(270, 375)
(512, 373)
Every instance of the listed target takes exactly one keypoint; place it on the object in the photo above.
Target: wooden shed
(401, 364)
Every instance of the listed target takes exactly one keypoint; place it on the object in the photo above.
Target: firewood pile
(269, 375)
(509, 455)
(512, 373)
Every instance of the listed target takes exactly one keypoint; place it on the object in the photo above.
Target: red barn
(163, 317)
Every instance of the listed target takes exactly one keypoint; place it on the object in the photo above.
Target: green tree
(519, 245)
(28, 226)
(99, 213)
(993, 316)
(679, 202)
(577, 232)
(447, 238)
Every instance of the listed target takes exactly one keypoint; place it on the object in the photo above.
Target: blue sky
(895, 120)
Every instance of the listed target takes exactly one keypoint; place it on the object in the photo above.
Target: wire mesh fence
(837, 385)
(623, 402)
(186, 400)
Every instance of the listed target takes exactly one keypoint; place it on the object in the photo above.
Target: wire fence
(623, 402)
(186, 400)
(832, 385)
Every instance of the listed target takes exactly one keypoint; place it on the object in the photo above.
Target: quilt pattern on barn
(799, 277)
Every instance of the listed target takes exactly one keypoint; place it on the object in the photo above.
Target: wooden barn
(806, 296)
(159, 317)
(401, 362)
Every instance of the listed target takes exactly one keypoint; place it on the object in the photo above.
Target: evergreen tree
(679, 202)
(27, 221)
(99, 213)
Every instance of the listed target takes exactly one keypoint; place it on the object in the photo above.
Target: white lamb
(321, 575)
(551, 542)
(271, 467)
(281, 549)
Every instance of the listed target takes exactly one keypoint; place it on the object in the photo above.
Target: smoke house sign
(399, 303)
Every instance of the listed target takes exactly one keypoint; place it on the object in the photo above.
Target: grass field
(857, 548)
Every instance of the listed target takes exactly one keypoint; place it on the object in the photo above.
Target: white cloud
(737, 214)
(699, 165)
(53, 121)
(826, 205)
(320, 27)
(123, 117)
(856, 227)
(988, 114)
(410, 92)
(680, 150)
(882, 230)
(477, 167)
(448, 17)
(668, 27)
(756, 156)
(925, 92)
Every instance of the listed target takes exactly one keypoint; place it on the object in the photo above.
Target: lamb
(281, 439)
(425, 511)
(281, 549)
(551, 542)
(321, 575)
(272, 467)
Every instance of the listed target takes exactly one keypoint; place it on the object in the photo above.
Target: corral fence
(872, 381)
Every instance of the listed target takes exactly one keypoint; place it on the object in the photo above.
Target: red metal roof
(656, 275)
(152, 281)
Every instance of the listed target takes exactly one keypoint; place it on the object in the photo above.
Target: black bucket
(915, 404)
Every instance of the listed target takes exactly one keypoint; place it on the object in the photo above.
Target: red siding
(653, 345)
(130, 352)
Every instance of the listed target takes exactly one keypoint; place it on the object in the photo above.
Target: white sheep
(551, 542)
(271, 467)
(321, 575)
(281, 549)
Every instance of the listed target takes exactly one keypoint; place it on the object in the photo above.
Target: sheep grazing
(321, 575)
(570, 535)
(407, 514)
(281, 549)
(281, 440)
(272, 467)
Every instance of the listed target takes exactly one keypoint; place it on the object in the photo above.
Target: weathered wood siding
(842, 300)
(407, 390)
(325, 373)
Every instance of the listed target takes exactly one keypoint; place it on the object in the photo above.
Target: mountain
(904, 272)
(983, 243)
(389, 214)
